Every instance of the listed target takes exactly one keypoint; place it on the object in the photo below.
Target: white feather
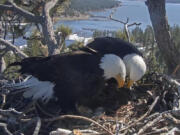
(35, 89)
(135, 66)
(112, 66)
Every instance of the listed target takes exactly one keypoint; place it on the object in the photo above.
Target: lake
(136, 11)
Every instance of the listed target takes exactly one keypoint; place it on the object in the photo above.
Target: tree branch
(49, 5)
(26, 14)
(142, 117)
(47, 27)
(38, 126)
(4, 130)
(126, 25)
(78, 117)
(13, 48)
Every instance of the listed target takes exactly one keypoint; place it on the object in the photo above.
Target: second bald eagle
(132, 57)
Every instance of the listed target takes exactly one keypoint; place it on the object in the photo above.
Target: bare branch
(157, 131)
(150, 124)
(137, 24)
(176, 69)
(126, 25)
(13, 48)
(61, 131)
(116, 20)
(10, 111)
(4, 130)
(78, 117)
(171, 118)
(49, 5)
(26, 14)
(142, 117)
(38, 126)
(3, 100)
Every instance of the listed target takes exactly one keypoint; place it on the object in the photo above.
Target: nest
(151, 107)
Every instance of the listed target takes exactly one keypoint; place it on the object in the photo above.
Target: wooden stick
(38, 127)
(141, 118)
(78, 117)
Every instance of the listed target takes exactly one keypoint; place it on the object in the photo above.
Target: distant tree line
(173, 1)
(83, 6)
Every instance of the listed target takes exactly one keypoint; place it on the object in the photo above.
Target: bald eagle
(132, 57)
(68, 78)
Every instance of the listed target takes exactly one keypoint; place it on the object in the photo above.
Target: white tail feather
(35, 89)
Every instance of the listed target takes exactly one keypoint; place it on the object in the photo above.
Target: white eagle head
(135, 67)
(113, 67)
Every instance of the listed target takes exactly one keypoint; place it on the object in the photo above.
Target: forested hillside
(83, 6)
(173, 1)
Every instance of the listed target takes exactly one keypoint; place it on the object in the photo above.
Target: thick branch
(47, 27)
(13, 48)
(163, 37)
(26, 14)
(49, 5)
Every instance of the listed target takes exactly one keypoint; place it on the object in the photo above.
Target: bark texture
(47, 27)
(163, 37)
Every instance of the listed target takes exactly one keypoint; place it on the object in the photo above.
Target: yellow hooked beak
(120, 81)
(130, 83)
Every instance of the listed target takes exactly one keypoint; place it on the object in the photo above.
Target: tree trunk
(47, 28)
(49, 37)
(163, 37)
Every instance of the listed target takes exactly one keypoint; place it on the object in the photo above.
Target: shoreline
(84, 16)
(71, 18)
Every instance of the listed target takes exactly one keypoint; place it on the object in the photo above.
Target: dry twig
(141, 118)
(38, 126)
(176, 69)
(150, 124)
(171, 118)
(4, 130)
(3, 100)
(157, 131)
(78, 117)
(126, 25)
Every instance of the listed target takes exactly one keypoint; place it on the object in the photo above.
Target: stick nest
(151, 107)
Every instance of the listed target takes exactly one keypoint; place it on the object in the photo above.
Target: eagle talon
(130, 83)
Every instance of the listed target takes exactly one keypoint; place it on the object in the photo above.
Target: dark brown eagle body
(116, 46)
(76, 76)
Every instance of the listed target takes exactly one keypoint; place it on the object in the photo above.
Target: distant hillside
(169, 1)
(83, 6)
(173, 1)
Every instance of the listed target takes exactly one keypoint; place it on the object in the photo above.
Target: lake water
(135, 10)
